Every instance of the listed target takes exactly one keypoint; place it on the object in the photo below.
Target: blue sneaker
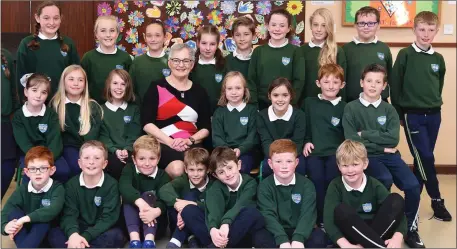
(135, 244)
(149, 244)
(193, 243)
(172, 245)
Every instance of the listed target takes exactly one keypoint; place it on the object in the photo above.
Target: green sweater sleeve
(252, 76)
(389, 138)
(332, 200)
(96, 122)
(442, 73)
(389, 64)
(299, 134)
(265, 137)
(22, 68)
(47, 214)
(298, 81)
(217, 126)
(129, 193)
(74, 56)
(381, 194)
(252, 139)
(341, 60)
(69, 220)
(54, 137)
(214, 205)
(308, 215)
(267, 205)
(308, 133)
(109, 216)
(247, 197)
(135, 130)
(20, 133)
(164, 179)
(169, 192)
(106, 138)
(16, 200)
(396, 81)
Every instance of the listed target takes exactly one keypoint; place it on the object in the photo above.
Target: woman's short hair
(180, 46)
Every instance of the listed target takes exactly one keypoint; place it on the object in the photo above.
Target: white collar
(366, 103)
(356, 41)
(160, 56)
(334, 102)
(45, 189)
(360, 189)
(240, 107)
(99, 49)
(280, 46)
(83, 183)
(202, 188)
(27, 113)
(114, 108)
(238, 187)
(242, 57)
(43, 37)
(210, 62)
(153, 174)
(311, 44)
(67, 100)
(419, 50)
(277, 183)
(286, 117)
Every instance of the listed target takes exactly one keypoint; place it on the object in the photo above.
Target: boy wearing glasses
(365, 49)
(32, 208)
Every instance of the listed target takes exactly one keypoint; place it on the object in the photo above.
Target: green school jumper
(324, 128)
(310, 52)
(98, 65)
(379, 126)
(374, 194)
(234, 63)
(358, 56)
(121, 126)
(90, 211)
(10, 101)
(43, 129)
(234, 128)
(71, 135)
(146, 69)
(210, 78)
(132, 184)
(269, 63)
(40, 207)
(179, 187)
(417, 80)
(291, 207)
(223, 206)
(49, 59)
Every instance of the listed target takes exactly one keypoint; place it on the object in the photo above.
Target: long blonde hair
(328, 52)
(58, 102)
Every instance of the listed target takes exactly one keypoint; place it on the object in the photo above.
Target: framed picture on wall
(394, 14)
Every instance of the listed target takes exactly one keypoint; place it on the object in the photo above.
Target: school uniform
(416, 87)
(90, 212)
(41, 129)
(238, 62)
(42, 206)
(71, 139)
(98, 64)
(358, 56)
(49, 59)
(367, 216)
(10, 103)
(290, 126)
(290, 211)
(324, 130)
(235, 207)
(182, 188)
(310, 53)
(134, 185)
(121, 127)
(269, 62)
(146, 69)
(235, 127)
(379, 126)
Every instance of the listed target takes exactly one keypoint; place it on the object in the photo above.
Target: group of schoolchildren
(285, 102)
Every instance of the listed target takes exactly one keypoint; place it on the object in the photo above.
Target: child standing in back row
(243, 29)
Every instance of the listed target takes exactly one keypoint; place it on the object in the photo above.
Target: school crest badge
(45, 202)
(127, 119)
(366, 207)
(166, 72)
(63, 53)
(244, 120)
(3, 67)
(435, 67)
(335, 121)
(382, 120)
(119, 67)
(42, 127)
(218, 77)
(98, 201)
(285, 61)
(296, 198)
(381, 56)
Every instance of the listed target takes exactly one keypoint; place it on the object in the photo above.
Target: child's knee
(175, 169)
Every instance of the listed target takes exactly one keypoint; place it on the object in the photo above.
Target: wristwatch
(192, 140)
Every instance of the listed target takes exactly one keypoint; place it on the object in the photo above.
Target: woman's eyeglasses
(185, 62)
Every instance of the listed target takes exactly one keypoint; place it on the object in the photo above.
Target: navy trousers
(181, 235)
(112, 238)
(71, 156)
(247, 163)
(31, 235)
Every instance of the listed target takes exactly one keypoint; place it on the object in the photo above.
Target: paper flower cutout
(104, 9)
(172, 24)
(191, 4)
(228, 7)
(222, 32)
(140, 3)
(136, 18)
(263, 7)
(295, 40)
(261, 31)
(294, 7)
(139, 49)
(131, 36)
(229, 22)
(120, 24)
(215, 17)
(153, 12)
(195, 17)
(121, 6)
(212, 4)
(187, 31)
(173, 8)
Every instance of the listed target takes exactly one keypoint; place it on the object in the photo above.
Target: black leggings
(357, 231)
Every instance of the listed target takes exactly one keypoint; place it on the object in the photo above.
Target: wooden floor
(434, 233)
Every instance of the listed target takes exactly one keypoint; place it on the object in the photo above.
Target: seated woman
(176, 111)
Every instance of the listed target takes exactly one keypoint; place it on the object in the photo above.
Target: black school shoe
(413, 240)
(439, 210)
